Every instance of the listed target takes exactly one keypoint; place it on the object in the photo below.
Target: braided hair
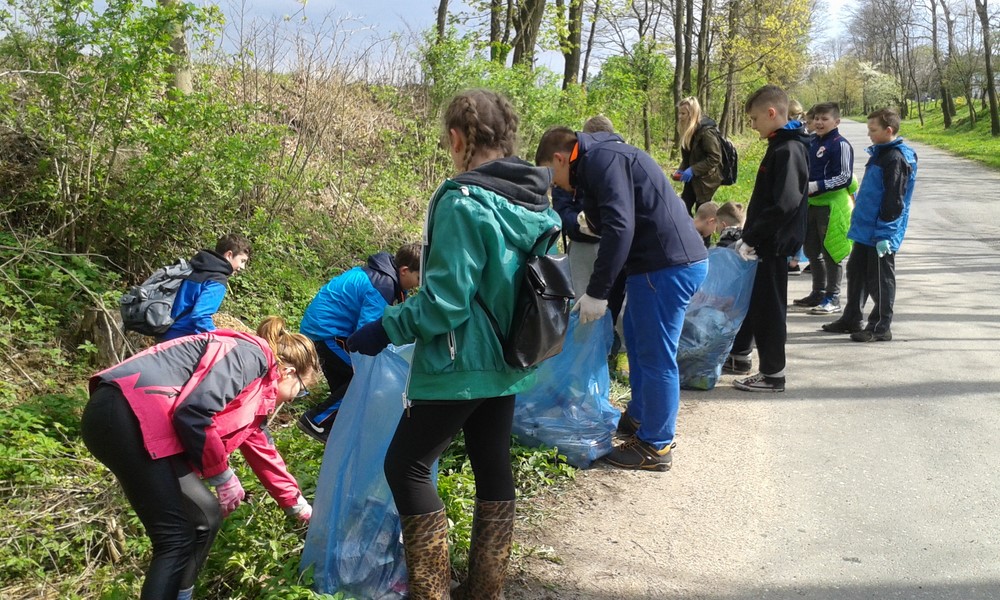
(487, 120)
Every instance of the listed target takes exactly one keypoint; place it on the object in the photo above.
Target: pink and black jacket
(204, 396)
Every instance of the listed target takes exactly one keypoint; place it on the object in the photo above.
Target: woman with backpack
(701, 154)
(165, 422)
(481, 227)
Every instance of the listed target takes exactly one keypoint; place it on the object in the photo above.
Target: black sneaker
(316, 432)
(867, 335)
(813, 299)
(737, 365)
(840, 326)
(627, 426)
(637, 454)
(760, 383)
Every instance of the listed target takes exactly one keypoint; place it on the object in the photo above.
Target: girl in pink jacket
(165, 422)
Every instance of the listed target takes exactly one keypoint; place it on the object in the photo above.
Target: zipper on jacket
(452, 345)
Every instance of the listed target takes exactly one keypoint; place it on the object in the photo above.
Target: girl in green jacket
(481, 227)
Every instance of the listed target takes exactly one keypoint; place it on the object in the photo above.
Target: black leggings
(427, 431)
(180, 514)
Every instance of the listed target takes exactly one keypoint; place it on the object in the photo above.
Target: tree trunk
(180, 67)
(703, 54)
(590, 42)
(991, 86)
(570, 43)
(527, 24)
(647, 134)
(952, 51)
(936, 52)
(443, 19)
(688, 46)
(678, 87)
(729, 108)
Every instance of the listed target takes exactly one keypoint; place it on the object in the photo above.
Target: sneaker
(627, 426)
(813, 299)
(637, 454)
(794, 270)
(760, 383)
(839, 326)
(737, 365)
(867, 335)
(316, 432)
(829, 307)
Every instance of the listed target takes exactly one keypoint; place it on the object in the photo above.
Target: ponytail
(291, 349)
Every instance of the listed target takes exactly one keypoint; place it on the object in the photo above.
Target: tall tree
(590, 42)
(570, 29)
(942, 78)
(527, 23)
(501, 17)
(678, 87)
(990, 83)
(688, 37)
(704, 49)
(442, 19)
(180, 68)
(949, 24)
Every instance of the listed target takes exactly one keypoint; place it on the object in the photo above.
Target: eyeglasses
(303, 390)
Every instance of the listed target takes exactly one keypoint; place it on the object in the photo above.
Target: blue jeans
(654, 317)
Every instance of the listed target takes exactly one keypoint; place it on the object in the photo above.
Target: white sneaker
(826, 308)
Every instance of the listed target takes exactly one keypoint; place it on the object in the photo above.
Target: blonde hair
(292, 349)
(795, 110)
(732, 214)
(686, 128)
(600, 123)
(707, 210)
(487, 120)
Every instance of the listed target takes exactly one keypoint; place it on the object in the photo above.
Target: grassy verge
(962, 139)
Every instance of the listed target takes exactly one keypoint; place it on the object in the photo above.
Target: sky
(385, 15)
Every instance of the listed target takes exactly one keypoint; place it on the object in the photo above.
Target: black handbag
(541, 309)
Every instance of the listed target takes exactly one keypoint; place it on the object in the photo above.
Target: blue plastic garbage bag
(354, 535)
(713, 318)
(568, 406)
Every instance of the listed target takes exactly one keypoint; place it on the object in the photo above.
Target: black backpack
(730, 159)
(541, 309)
(146, 307)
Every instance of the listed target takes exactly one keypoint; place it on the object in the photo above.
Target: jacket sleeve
(263, 458)
(789, 186)
(455, 260)
(841, 162)
(566, 205)
(206, 305)
(895, 179)
(609, 188)
(372, 304)
(225, 369)
(711, 151)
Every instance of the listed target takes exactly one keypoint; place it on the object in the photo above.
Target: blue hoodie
(882, 204)
(200, 296)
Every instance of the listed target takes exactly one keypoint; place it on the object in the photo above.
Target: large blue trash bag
(713, 318)
(568, 406)
(354, 535)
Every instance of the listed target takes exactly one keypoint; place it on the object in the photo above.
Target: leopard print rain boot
(489, 553)
(425, 542)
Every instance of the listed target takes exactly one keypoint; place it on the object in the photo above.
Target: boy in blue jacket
(344, 305)
(202, 292)
(878, 223)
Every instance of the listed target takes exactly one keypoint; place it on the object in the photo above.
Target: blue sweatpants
(654, 317)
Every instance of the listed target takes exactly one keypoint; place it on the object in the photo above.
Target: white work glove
(813, 187)
(882, 248)
(745, 250)
(581, 220)
(590, 309)
(300, 510)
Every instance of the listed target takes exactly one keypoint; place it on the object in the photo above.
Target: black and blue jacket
(630, 203)
(200, 295)
(568, 206)
(882, 204)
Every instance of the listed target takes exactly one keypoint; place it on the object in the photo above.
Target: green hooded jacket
(841, 203)
(481, 227)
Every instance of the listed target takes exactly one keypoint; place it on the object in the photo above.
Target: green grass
(961, 139)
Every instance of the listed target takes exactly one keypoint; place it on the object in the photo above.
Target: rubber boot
(425, 542)
(489, 552)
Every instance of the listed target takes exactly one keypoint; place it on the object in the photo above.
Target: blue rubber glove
(687, 175)
(882, 248)
(370, 339)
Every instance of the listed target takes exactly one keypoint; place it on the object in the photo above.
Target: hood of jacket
(208, 265)
(708, 122)
(381, 270)
(791, 134)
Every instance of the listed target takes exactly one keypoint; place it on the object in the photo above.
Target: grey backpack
(146, 307)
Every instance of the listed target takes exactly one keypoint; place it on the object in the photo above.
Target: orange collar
(575, 154)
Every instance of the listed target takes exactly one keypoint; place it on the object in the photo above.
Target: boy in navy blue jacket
(831, 170)
(645, 230)
(202, 292)
(345, 304)
(774, 229)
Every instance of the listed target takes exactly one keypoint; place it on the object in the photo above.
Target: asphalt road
(873, 476)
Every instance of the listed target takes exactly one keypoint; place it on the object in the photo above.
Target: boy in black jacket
(774, 229)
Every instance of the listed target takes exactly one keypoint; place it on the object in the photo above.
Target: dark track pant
(869, 275)
(180, 514)
(826, 273)
(765, 322)
(425, 433)
(338, 376)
